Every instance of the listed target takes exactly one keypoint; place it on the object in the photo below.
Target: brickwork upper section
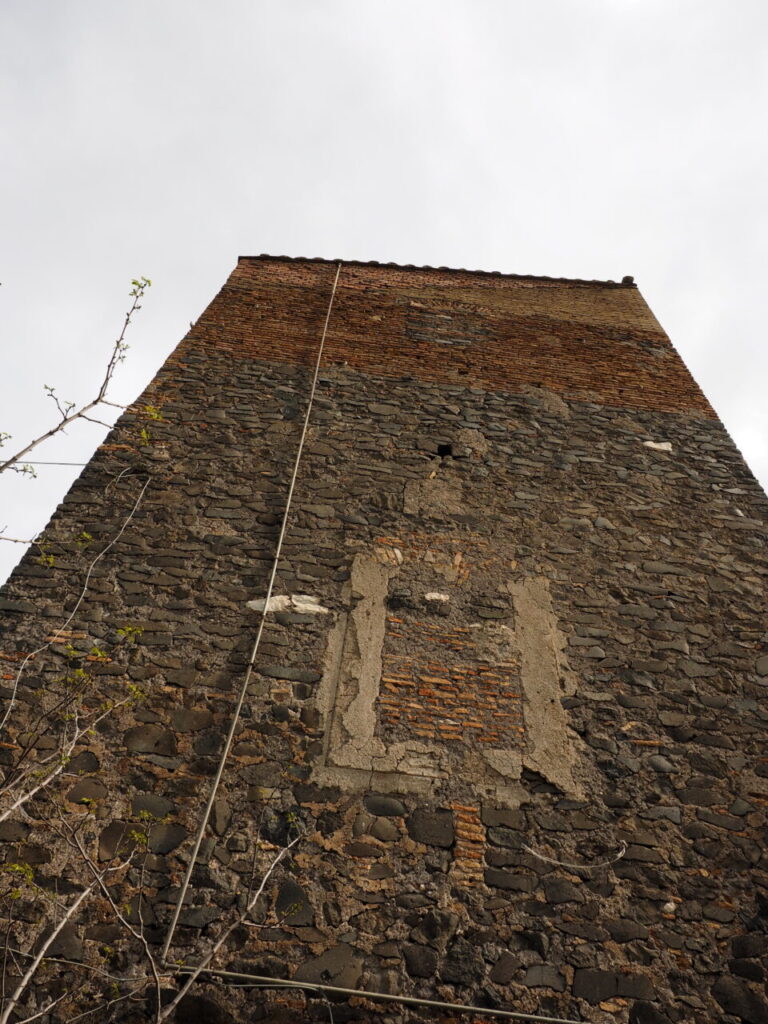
(594, 341)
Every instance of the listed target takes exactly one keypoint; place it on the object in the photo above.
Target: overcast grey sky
(576, 138)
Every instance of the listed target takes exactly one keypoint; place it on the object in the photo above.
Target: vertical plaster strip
(550, 751)
(355, 649)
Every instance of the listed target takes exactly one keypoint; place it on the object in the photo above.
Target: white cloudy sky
(582, 138)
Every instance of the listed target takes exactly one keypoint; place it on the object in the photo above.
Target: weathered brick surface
(584, 339)
(656, 566)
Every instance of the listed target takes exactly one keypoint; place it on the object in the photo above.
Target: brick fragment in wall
(585, 689)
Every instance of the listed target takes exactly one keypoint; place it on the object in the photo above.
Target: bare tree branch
(44, 947)
(75, 840)
(198, 969)
(67, 411)
(39, 650)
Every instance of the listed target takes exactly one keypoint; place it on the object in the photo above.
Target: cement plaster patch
(539, 641)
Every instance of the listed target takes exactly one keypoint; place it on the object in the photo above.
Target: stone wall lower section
(627, 582)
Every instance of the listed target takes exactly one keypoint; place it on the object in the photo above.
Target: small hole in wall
(445, 450)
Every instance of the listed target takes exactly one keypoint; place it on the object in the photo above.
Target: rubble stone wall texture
(538, 640)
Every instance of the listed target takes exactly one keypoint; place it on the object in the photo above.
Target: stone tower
(407, 635)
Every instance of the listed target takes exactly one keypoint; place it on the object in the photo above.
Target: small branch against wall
(64, 715)
(253, 897)
(68, 412)
(73, 838)
(41, 774)
(80, 598)
(29, 974)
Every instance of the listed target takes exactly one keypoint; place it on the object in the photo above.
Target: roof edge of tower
(627, 282)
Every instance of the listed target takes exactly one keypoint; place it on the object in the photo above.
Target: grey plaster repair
(549, 750)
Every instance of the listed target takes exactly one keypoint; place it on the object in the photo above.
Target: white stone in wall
(305, 604)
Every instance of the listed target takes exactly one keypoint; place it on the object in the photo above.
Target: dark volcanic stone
(505, 969)
(595, 985)
(292, 905)
(738, 998)
(149, 803)
(754, 944)
(413, 900)
(20, 607)
(635, 986)
(385, 830)
(85, 761)
(420, 961)
(13, 831)
(625, 930)
(501, 836)
(68, 945)
(463, 965)
(436, 929)
(383, 806)
(747, 969)
(560, 890)
(502, 816)
(194, 1009)
(544, 976)
(341, 965)
(361, 849)
(434, 828)
(514, 881)
(165, 837)
(87, 791)
(265, 966)
(720, 820)
(150, 739)
(189, 720)
(115, 839)
(293, 675)
(647, 1013)
(199, 917)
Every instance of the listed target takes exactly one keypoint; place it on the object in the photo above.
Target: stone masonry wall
(521, 730)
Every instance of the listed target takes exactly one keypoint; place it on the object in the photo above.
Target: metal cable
(257, 641)
(309, 986)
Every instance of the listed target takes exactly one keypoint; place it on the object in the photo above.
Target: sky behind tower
(587, 139)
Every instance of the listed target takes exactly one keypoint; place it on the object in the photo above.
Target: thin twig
(65, 411)
(45, 946)
(197, 971)
(62, 756)
(116, 910)
(47, 644)
(102, 1009)
(46, 1009)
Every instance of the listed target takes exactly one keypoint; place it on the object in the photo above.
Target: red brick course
(586, 340)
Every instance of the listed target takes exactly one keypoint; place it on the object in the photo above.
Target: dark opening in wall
(445, 450)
